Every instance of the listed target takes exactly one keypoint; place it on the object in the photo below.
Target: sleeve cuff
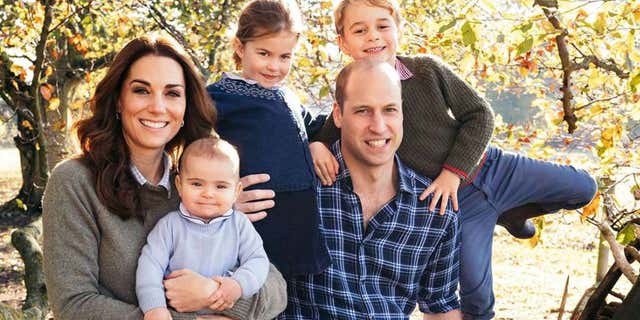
(463, 175)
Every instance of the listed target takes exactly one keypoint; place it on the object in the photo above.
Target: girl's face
(267, 60)
(152, 103)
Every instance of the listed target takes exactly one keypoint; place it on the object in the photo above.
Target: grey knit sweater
(90, 254)
(446, 123)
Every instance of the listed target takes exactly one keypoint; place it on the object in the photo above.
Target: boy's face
(207, 187)
(369, 32)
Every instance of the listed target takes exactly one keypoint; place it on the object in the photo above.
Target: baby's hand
(227, 294)
(324, 163)
(445, 186)
(158, 314)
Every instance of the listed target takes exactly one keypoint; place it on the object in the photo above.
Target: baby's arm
(249, 277)
(152, 264)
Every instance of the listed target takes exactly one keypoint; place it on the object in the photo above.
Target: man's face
(370, 119)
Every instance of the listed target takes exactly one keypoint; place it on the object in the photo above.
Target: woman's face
(152, 103)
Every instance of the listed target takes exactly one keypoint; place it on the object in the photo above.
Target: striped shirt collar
(403, 72)
(197, 220)
(165, 181)
(236, 76)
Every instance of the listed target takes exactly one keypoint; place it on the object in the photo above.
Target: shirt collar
(197, 220)
(165, 181)
(405, 178)
(403, 72)
(235, 76)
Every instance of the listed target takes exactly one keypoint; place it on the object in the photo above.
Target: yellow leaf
(77, 104)
(326, 5)
(27, 125)
(524, 71)
(16, 69)
(591, 208)
(54, 103)
(21, 204)
(48, 71)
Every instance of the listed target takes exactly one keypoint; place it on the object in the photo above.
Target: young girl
(265, 120)
(447, 128)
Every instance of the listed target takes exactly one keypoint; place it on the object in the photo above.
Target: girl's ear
(238, 47)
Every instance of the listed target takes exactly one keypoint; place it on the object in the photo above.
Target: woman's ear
(238, 47)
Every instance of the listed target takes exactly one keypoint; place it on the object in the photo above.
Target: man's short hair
(211, 148)
(361, 65)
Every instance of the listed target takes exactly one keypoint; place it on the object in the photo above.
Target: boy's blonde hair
(211, 148)
(338, 12)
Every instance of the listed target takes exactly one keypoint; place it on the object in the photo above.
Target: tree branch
(618, 252)
(162, 22)
(609, 65)
(63, 21)
(632, 252)
(598, 100)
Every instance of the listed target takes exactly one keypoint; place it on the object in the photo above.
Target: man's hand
(444, 187)
(227, 294)
(324, 163)
(254, 202)
(158, 314)
(188, 291)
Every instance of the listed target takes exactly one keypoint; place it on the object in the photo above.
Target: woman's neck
(150, 165)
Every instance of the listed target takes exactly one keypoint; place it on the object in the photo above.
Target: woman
(99, 207)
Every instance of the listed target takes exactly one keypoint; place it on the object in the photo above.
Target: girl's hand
(324, 163)
(188, 291)
(254, 202)
(227, 294)
(444, 187)
(158, 314)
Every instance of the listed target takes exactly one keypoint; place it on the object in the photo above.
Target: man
(388, 250)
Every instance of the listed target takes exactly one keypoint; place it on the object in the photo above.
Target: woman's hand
(254, 202)
(188, 291)
(324, 163)
(445, 186)
(227, 294)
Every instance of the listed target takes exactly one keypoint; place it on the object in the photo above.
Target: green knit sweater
(91, 255)
(446, 123)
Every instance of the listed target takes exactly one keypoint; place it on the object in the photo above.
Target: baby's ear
(178, 185)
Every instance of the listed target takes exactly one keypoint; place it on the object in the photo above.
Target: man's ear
(337, 115)
(238, 47)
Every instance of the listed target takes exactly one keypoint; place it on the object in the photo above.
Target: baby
(206, 235)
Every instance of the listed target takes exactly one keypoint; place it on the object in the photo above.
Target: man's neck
(375, 186)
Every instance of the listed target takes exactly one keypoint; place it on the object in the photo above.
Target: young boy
(447, 129)
(206, 235)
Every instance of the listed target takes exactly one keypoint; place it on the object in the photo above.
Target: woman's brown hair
(266, 17)
(104, 150)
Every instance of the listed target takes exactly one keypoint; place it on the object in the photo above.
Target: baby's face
(208, 187)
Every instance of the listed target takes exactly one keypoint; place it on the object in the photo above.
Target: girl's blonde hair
(338, 12)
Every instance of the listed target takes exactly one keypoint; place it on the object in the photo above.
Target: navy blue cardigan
(269, 127)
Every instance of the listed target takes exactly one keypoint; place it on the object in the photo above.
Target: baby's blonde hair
(338, 12)
(211, 148)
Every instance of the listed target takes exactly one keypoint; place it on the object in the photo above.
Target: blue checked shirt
(406, 255)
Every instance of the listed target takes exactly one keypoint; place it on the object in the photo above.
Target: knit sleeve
(254, 264)
(71, 240)
(475, 116)
(153, 263)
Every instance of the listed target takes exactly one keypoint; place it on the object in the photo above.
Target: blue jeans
(507, 180)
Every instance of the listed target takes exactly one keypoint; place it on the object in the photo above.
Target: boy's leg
(514, 181)
(478, 219)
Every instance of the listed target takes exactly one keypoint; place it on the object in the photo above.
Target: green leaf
(324, 91)
(635, 81)
(526, 27)
(448, 26)
(524, 46)
(468, 34)
(626, 235)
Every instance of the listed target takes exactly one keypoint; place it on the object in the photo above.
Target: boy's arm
(153, 262)
(439, 283)
(254, 264)
(476, 121)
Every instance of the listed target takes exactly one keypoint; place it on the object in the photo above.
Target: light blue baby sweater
(226, 246)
